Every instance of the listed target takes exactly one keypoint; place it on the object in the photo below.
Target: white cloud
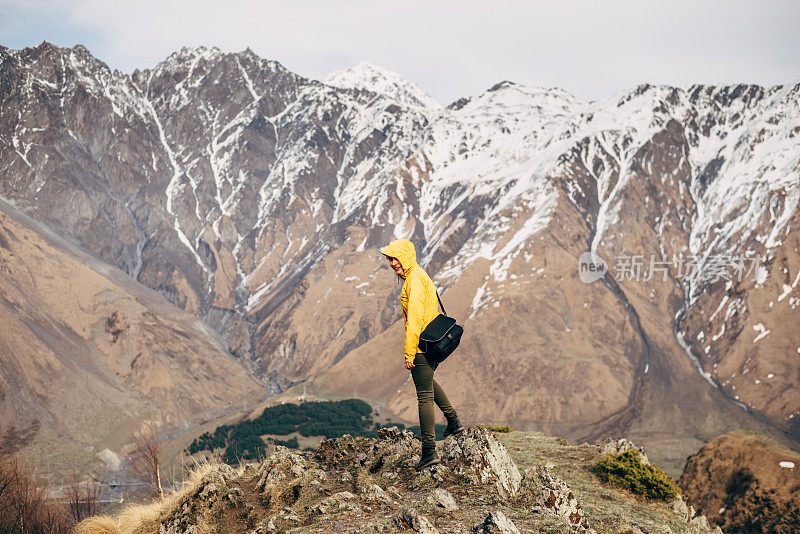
(454, 48)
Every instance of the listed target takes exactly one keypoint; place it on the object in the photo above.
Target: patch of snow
(718, 334)
(761, 275)
(367, 76)
(763, 332)
(786, 290)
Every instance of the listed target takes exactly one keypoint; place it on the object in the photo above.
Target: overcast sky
(591, 48)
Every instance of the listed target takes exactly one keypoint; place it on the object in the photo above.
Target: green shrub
(627, 471)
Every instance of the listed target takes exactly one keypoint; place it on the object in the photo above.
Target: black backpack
(441, 336)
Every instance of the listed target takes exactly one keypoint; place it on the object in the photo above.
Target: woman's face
(394, 263)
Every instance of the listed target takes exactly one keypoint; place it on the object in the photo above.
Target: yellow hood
(404, 251)
(417, 297)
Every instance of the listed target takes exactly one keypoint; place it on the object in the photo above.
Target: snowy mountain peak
(191, 53)
(382, 81)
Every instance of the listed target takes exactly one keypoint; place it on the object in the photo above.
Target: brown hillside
(738, 482)
(86, 353)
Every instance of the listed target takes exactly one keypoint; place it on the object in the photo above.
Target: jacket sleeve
(414, 319)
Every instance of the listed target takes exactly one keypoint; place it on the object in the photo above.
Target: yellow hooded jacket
(418, 295)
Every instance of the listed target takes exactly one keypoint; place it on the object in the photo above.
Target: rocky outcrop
(477, 456)
(496, 523)
(553, 496)
(441, 497)
(617, 446)
(695, 523)
(410, 519)
(292, 488)
(356, 485)
(191, 511)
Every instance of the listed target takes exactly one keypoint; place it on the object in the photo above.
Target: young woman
(420, 307)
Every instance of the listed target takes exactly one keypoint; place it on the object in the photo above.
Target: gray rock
(496, 522)
(374, 493)
(281, 465)
(289, 515)
(612, 446)
(337, 502)
(410, 518)
(678, 505)
(701, 522)
(555, 497)
(476, 455)
(443, 498)
(189, 511)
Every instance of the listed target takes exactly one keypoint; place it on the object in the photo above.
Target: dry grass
(145, 518)
(97, 525)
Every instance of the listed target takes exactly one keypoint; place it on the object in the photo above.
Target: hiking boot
(453, 427)
(427, 458)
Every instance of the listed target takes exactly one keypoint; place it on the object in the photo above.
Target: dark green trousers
(428, 393)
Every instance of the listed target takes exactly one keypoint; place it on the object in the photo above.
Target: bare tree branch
(83, 498)
(23, 506)
(144, 462)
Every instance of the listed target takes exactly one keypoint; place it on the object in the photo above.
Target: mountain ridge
(248, 195)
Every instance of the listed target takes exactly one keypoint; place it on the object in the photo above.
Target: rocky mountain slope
(745, 483)
(88, 354)
(256, 199)
(518, 482)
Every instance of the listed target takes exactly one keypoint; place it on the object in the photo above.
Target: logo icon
(591, 267)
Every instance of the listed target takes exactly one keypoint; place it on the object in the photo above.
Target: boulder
(409, 518)
(617, 446)
(281, 465)
(555, 497)
(442, 498)
(376, 494)
(678, 505)
(496, 522)
(477, 456)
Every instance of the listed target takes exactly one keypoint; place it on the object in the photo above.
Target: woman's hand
(409, 365)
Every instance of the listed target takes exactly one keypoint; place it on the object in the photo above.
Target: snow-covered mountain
(257, 199)
(368, 77)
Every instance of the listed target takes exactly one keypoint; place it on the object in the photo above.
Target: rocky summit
(257, 199)
(354, 484)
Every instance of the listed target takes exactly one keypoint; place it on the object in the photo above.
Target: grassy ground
(609, 509)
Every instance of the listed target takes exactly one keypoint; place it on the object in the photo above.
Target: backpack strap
(440, 302)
